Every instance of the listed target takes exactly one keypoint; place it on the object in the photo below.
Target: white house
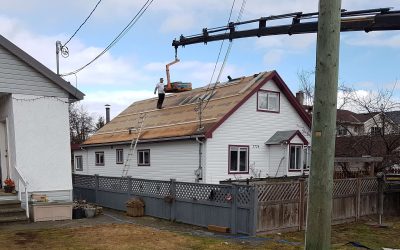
(250, 126)
(34, 126)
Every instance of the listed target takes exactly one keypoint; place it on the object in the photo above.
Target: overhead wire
(80, 26)
(132, 22)
(226, 55)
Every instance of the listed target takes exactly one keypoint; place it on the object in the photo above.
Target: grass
(128, 236)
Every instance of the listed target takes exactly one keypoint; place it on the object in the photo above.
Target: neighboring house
(34, 126)
(377, 123)
(348, 123)
(250, 127)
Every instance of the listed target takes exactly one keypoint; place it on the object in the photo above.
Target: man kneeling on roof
(161, 93)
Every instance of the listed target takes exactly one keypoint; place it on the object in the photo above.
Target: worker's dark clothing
(160, 101)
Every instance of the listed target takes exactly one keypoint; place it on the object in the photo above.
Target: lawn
(129, 236)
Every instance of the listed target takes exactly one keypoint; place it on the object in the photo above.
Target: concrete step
(5, 212)
(13, 219)
(8, 197)
(10, 204)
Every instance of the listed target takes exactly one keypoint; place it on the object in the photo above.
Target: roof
(394, 116)
(285, 137)
(343, 115)
(15, 50)
(358, 146)
(178, 118)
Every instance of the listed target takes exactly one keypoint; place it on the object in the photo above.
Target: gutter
(188, 137)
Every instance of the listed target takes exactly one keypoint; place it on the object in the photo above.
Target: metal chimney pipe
(107, 113)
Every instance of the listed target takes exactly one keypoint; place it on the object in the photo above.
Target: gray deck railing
(231, 206)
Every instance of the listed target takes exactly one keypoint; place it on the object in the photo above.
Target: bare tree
(100, 123)
(81, 124)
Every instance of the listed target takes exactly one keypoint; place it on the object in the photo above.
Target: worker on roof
(161, 93)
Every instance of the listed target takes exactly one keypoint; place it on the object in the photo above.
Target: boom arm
(362, 20)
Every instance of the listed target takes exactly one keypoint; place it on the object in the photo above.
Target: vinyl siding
(247, 126)
(168, 160)
(19, 78)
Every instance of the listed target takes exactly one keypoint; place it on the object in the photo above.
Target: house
(248, 127)
(34, 125)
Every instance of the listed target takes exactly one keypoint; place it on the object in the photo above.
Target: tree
(100, 123)
(81, 124)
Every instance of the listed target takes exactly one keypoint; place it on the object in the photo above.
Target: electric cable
(117, 38)
(80, 26)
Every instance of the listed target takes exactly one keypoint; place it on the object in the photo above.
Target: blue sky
(129, 71)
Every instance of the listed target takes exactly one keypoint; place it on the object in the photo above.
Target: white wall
(178, 160)
(247, 126)
(42, 144)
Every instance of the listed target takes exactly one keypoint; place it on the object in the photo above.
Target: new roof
(74, 93)
(179, 119)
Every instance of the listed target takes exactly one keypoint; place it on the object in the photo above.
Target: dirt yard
(133, 236)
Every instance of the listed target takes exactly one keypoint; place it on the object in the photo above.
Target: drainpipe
(199, 171)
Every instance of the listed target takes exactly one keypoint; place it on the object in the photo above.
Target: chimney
(107, 113)
(300, 97)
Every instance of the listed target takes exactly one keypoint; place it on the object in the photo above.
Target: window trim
(301, 160)
(229, 159)
(266, 110)
(116, 156)
(307, 157)
(76, 163)
(140, 151)
(95, 158)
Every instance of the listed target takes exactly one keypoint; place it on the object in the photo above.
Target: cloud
(375, 39)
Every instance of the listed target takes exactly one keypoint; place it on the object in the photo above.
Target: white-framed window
(306, 157)
(119, 155)
(143, 157)
(78, 163)
(376, 130)
(99, 158)
(295, 157)
(268, 101)
(238, 159)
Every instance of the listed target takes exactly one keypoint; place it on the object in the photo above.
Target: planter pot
(8, 189)
(90, 212)
(78, 213)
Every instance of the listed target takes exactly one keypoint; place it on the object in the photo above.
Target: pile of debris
(82, 209)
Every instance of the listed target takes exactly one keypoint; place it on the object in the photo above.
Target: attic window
(268, 101)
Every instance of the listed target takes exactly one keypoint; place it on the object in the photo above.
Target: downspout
(199, 170)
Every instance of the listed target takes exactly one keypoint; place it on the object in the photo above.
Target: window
(238, 159)
(306, 157)
(295, 157)
(119, 156)
(99, 158)
(143, 157)
(340, 130)
(268, 101)
(78, 163)
(376, 130)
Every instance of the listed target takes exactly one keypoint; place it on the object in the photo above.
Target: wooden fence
(282, 206)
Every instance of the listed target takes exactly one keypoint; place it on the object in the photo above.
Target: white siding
(168, 160)
(247, 126)
(42, 146)
(19, 78)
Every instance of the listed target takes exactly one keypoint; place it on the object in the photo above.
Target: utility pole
(318, 229)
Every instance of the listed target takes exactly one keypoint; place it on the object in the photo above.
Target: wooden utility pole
(318, 229)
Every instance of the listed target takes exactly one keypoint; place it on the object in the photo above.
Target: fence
(259, 207)
(283, 205)
(231, 206)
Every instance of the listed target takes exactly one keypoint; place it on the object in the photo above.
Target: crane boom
(361, 20)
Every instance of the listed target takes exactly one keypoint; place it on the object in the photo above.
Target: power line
(80, 26)
(226, 54)
(117, 38)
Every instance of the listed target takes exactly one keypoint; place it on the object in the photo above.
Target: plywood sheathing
(175, 120)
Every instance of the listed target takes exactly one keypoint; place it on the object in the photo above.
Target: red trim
(248, 159)
(294, 144)
(143, 150)
(299, 134)
(285, 90)
(279, 101)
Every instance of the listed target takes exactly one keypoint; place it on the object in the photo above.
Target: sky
(129, 71)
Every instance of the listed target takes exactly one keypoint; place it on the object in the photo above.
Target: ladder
(132, 147)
